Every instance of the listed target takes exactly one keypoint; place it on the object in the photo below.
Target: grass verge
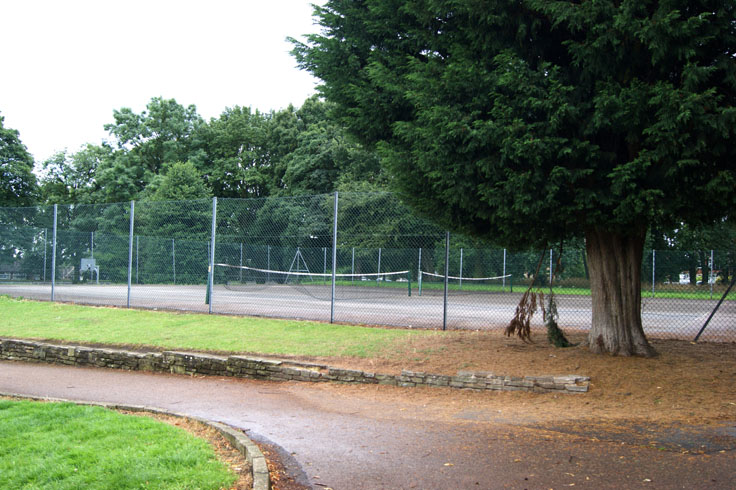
(68, 446)
(115, 326)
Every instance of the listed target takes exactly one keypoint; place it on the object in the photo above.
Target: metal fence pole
(710, 274)
(447, 274)
(92, 244)
(211, 279)
(654, 270)
(550, 266)
(334, 261)
(378, 277)
(461, 268)
(45, 239)
(241, 262)
(173, 259)
(53, 255)
(419, 271)
(130, 251)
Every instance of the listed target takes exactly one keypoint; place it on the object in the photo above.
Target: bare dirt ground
(687, 382)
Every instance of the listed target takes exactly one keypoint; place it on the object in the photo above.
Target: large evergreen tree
(526, 122)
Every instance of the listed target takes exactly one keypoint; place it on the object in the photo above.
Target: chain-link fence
(373, 262)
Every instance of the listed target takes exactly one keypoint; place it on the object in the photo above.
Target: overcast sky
(67, 64)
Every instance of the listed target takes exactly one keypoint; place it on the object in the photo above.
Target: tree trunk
(614, 261)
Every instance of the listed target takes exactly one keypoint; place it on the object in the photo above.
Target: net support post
(461, 269)
(503, 287)
(130, 251)
(211, 275)
(378, 277)
(53, 254)
(447, 275)
(334, 260)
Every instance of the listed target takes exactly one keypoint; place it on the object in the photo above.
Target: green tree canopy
(17, 181)
(527, 122)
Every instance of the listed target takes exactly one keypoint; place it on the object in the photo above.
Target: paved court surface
(384, 439)
(661, 316)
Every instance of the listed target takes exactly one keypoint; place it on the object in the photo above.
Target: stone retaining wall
(275, 370)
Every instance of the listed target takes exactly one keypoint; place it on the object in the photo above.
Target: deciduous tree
(17, 181)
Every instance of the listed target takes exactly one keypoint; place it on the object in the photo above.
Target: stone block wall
(275, 370)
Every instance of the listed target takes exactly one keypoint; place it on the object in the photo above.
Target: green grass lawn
(67, 446)
(57, 321)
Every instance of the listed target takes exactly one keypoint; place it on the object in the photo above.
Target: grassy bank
(64, 322)
(67, 446)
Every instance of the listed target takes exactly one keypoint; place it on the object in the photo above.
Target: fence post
(173, 258)
(461, 268)
(711, 280)
(45, 239)
(447, 274)
(211, 278)
(654, 270)
(334, 261)
(130, 252)
(241, 262)
(503, 287)
(419, 271)
(378, 276)
(53, 255)
(550, 266)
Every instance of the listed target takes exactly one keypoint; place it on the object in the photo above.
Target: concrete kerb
(276, 370)
(241, 442)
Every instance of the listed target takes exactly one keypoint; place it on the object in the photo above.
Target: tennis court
(392, 306)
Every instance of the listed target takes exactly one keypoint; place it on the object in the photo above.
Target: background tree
(72, 178)
(531, 122)
(165, 132)
(17, 182)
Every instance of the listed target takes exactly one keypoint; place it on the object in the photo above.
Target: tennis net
(315, 285)
(431, 283)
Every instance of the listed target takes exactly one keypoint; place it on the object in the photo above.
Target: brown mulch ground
(688, 382)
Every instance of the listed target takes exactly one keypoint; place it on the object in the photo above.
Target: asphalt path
(376, 437)
(667, 317)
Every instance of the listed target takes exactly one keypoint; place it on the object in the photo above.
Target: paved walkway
(381, 440)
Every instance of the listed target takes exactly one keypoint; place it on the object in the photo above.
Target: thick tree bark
(614, 261)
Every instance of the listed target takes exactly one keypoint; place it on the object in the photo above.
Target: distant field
(57, 321)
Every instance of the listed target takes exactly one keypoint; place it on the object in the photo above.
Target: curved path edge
(241, 442)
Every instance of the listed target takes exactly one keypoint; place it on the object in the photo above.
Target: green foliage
(528, 122)
(180, 181)
(71, 178)
(17, 182)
